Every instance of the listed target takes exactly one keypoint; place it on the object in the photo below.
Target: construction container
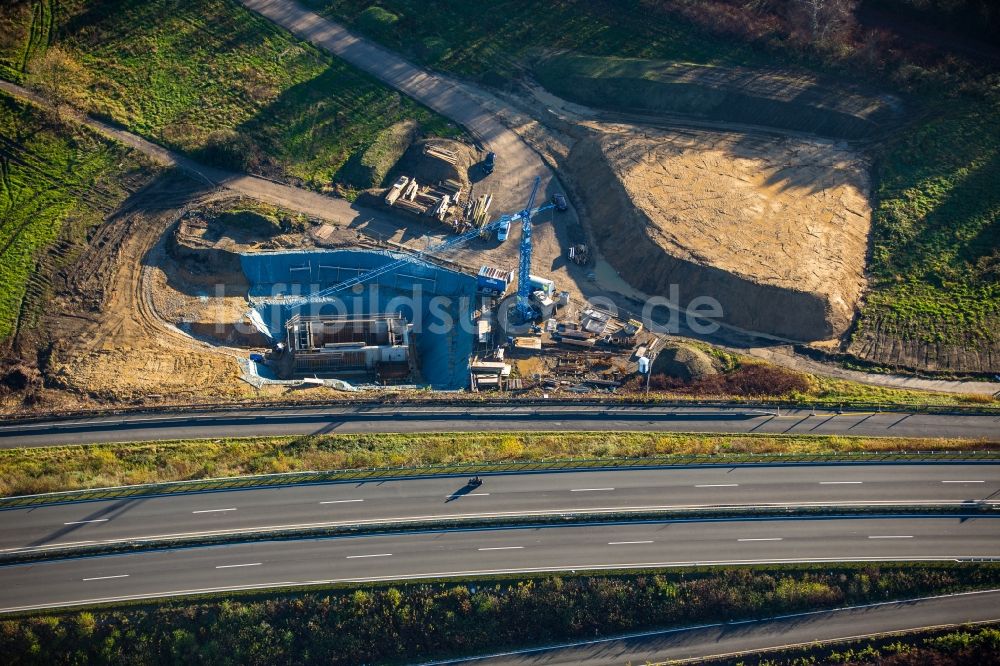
(546, 306)
(542, 284)
(493, 281)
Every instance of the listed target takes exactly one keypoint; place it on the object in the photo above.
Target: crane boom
(524, 268)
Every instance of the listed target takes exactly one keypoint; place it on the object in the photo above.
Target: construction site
(518, 263)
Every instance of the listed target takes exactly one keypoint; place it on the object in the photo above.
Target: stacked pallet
(442, 154)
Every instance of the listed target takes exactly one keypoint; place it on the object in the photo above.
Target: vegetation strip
(103, 471)
(961, 404)
(525, 521)
(403, 623)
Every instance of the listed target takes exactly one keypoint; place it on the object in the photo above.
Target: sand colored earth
(778, 223)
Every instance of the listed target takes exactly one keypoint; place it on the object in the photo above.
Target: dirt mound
(684, 362)
(774, 229)
(431, 170)
(772, 98)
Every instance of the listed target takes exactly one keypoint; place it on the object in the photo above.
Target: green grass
(56, 182)
(491, 40)
(25, 32)
(28, 471)
(210, 78)
(936, 230)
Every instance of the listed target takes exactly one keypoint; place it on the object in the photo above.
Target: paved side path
(740, 637)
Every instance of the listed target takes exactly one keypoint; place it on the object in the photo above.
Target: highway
(469, 553)
(248, 422)
(527, 494)
(730, 638)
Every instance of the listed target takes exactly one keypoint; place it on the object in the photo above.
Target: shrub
(377, 20)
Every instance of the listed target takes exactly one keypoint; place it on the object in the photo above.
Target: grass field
(491, 40)
(27, 471)
(936, 231)
(56, 182)
(210, 78)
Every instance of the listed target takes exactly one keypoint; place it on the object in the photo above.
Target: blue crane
(523, 310)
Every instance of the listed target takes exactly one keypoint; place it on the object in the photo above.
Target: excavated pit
(775, 229)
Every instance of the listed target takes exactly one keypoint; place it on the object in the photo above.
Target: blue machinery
(523, 312)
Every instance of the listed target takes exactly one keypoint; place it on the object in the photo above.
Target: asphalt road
(736, 637)
(443, 418)
(468, 553)
(522, 494)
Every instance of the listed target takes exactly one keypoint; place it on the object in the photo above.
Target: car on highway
(559, 201)
(489, 163)
(503, 230)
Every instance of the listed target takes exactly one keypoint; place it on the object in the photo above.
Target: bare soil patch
(775, 229)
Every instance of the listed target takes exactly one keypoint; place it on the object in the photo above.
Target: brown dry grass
(26, 471)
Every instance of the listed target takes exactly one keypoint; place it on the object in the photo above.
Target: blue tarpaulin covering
(439, 302)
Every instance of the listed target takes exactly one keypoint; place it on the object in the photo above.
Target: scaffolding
(378, 345)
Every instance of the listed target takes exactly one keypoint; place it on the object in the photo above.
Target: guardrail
(456, 401)
(461, 469)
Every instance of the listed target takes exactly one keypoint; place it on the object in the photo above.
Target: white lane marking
(718, 485)
(214, 510)
(963, 482)
(107, 577)
(892, 536)
(235, 566)
(457, 495)
(493, 514)
(341, 501)
(355, 557)
(840, 483)
(504, 548)
(84, 522)
(762, 539)
(589, 490)
(625, 543)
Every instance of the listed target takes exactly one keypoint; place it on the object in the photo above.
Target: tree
(821, 23)
(59, 77)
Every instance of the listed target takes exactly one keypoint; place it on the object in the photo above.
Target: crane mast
(523, 312)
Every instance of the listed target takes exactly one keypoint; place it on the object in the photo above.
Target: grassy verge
(26, 471)
(210, 78)
(738, 377)
(399, 623)
(941, 647)
(936, 234)
(57, 181)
